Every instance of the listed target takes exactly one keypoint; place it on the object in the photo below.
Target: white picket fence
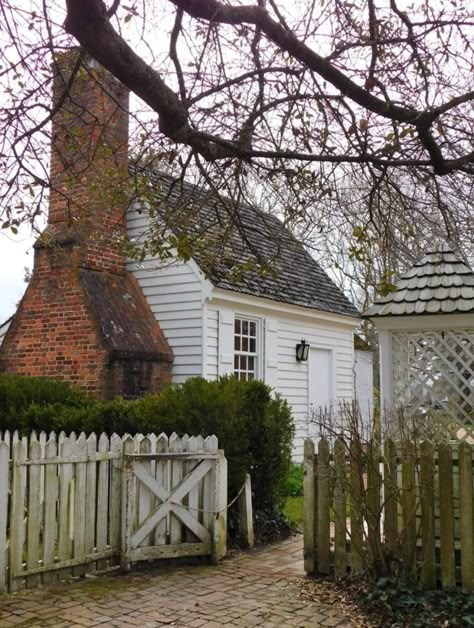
(70, 505)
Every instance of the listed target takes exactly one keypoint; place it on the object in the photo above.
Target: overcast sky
(15, 253)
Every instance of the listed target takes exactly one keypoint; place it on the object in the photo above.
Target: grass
(293, 510)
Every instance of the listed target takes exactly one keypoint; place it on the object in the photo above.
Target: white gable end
(175, 292)
(326, 379)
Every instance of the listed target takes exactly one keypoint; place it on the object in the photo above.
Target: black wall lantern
(302, 351)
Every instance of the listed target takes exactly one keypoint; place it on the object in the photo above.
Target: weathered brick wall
(53, 334)
(133, 378)
(89, 163)
(56, 332)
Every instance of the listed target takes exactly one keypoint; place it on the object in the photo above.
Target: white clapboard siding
(174, 292)
(212, 350)
(279, 368)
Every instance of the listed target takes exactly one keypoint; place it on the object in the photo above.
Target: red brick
(55, 332)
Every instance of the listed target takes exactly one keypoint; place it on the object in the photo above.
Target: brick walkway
(255, 589)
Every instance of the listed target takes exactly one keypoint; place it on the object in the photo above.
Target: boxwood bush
(254, 427)
(18, 394)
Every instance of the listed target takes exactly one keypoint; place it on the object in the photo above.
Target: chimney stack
(89, 160)
(83, 317)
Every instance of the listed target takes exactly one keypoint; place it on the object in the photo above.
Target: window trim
(257, 354)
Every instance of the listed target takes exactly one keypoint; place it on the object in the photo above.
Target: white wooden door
(320, 385)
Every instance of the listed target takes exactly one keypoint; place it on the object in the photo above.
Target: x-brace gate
(174, 504)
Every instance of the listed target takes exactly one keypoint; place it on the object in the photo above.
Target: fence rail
(61, 501)
(413, 504)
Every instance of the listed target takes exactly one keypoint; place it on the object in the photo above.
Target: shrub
(294, 481)
(18, 393)
(254, 428)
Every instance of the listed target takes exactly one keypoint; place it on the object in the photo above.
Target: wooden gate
(174, 499)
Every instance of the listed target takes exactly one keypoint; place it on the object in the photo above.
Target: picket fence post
(34, 511)
(115, 495)
(50, 500)
(219, 541)
(446, 516)
(4, 461)
(428, 565)
(310, 508)
(339, 509)
(17, 513)
(467, 517)
(356, 482)
(408, 500)
(324, 505)
(390, 487)
(127, 503)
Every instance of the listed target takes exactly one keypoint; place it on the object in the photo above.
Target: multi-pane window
(245, 348)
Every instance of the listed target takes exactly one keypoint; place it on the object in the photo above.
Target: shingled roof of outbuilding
(128, 327)
(440, 283)
(230, 256)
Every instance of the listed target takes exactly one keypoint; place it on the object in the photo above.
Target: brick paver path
(255, 589)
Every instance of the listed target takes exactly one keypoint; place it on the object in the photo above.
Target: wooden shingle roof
(440, 283)
(295, 277)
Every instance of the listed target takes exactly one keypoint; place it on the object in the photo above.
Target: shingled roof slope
(228, 260)
(440, 283)
(128, 327)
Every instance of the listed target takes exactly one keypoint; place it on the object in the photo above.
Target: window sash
(245, 348)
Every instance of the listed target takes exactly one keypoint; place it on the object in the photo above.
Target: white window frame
(257, 354)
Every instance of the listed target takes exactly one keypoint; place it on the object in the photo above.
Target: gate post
(310, 508)
(246, 513)
(219, 532)
(127, 502)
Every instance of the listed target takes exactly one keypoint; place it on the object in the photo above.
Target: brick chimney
(84, 318)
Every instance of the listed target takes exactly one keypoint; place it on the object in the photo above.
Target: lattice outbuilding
(426, 336)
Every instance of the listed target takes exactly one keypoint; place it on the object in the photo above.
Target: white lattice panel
(433, 373)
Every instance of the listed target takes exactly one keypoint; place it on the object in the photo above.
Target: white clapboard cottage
(124, 328)
(221, 321)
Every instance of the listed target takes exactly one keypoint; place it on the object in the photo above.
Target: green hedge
(18, 394)
(254, 428)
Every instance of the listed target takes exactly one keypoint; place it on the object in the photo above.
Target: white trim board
(424, 321)
(226, 297)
